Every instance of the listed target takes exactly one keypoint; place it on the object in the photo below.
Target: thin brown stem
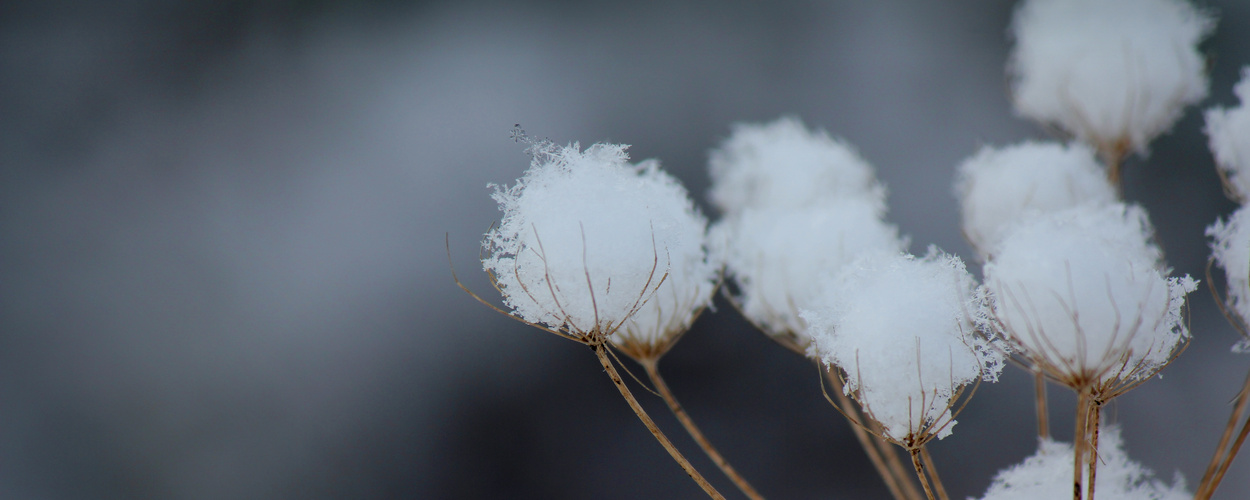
(653, 372)
(896, 464)
(933, 474)
(1241, 439)
(915, 462)
(601, 353)
(870, 443)
(1043, 413)
(1206, 487)
(1079, 443)
(1094, 418)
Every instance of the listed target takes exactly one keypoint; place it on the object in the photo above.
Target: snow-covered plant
(1230, 250)
(902, 331)
(587, 240)
(783, 164)
(776, 256)
(1113, 73)
(1047, 474)
(1083, 295)
(998, 186)
(1229, 132)
(591, 247)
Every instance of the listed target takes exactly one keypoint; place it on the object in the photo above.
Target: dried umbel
(902, 330)
(998, 186)
(1083, 295)
(1113, 73)
(1229, 133)
(588, 241)
(1230, 250)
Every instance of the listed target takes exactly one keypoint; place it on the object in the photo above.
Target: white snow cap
(1084, 293)
(1114, 73)
(1230, 246)
(586, 239)
(903, 330)
(777, 256)
(1229, 131)
(783, 164)
(998, 186)
(1047, 475)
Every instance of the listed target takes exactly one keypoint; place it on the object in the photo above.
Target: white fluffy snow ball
(1114, 73)
(784, 164)
(1083, 293)
(1047, 475)
(1229, 131)
(587, 240)
(903, 331)
(998, 186)
(776, 256)
(1230, 247)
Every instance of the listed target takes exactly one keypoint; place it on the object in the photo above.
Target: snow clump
(902, 329)
(587, 240)
(1114, 73)
(999, 186)
(1229, 132)
(1230, 247)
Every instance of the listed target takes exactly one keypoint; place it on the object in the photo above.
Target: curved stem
(653, 372)
(1094, 418)
(600, 352)
(1222, 457)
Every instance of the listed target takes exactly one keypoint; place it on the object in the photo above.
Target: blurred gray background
(222, 264)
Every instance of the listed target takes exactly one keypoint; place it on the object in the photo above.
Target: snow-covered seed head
(1229, 131)
(1114, 73)
(1083, 295)
(1047, 475)
(587, 241)
(1230, 249)
(776, 256)
(998, 186)
(783, 164)
(903, 331)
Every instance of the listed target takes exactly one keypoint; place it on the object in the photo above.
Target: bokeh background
(222, 243)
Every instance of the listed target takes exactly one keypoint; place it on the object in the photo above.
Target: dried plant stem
(1079, 441)
(933, 474)
(1092, 422)
(653, 372)
(879, 452)
(1224, 455)
(1043, 412)
(601, 353)
(919, 466)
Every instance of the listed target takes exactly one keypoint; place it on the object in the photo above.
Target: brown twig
(651, 366)
(601, 353)
(1223, 456)
(900, 487)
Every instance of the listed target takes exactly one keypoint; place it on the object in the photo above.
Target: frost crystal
(902, 330)
(587, 240)
(1229, 131)
(998, 186)
(1084, 294)
(1047, 475)
(783, 164)
(777, 255)
(1114, 73)
(1230, 247)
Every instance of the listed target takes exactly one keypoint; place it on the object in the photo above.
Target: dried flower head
(1230, 249)
(902, 330)
(998, 186)
(587, 241)
(1229, 132)
(1113, 73)
(1085, 297)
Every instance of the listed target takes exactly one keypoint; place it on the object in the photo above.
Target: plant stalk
(1043, 414)
(1223, 458)
(915, 462)
(878, 450)
(601, 353)
(933, 474)
(651, 366)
